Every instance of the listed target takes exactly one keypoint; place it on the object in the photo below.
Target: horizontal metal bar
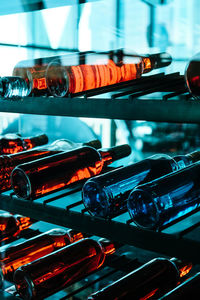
(177, 111)
(166, 244)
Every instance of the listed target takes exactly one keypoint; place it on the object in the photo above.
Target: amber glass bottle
(15, 256)
(55, 271)
(147, 282)
(13, 143)
(192, 76)
(12, 225)
(42, 176)
(66, 75)
(9, 162)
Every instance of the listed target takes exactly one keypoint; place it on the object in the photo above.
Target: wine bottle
(149, 281)
(192, 76)
(106, 195)
(163, 200)
(9, 162)
(13, 143)
(189, 289)
(15, 256)
(62, 79)
(12, 225)
(14, 87)
(40, 177)
(58, 76)
(55, 271)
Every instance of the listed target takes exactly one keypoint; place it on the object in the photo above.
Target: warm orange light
(149, 295)
(185, 270)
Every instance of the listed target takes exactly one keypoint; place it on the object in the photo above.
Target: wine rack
(159, 98)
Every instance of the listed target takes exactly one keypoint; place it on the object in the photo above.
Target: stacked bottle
(60, 77)
(12, 225)
(55, 271)
(13, 143)
(163, 200)
(106, 195)
(17, 255)
(9, 162)
(150, 281)
(34, 179)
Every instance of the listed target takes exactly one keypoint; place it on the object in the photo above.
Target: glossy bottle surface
(65, 74)
(15, 256)
(58, 270)
(13, 143)
(52, 173)
(12, 225)
(190, 289)
(147, 282)
(192, 76)
(106, 195)
(63, 79)
(9, 162)
(163, 200)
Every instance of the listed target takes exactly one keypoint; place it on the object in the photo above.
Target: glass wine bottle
(63, 75)
(13, 143)
(9, 162)
(14, 87)
(37, 178)
(15, 256)
(163, 200)
(192, 76)
(150, 281)
(55, 271)
(189, 289)
(12, 225)
(106, 195)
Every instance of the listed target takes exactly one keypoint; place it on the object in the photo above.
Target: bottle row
(51, 261)
(61, 76)
(155, 191)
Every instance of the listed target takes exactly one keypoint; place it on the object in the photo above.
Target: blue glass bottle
(165, 199)
(106, 195)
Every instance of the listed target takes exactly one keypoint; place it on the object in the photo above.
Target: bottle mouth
(95, 199)
(24, 285)
(143, 209)
(21, 183)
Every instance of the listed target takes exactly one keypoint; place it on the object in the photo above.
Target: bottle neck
(112, 154)
(156, 61)
(182, 266)
(187, 159)
(36, 141)
(107, 246)
(23, 222)
(75, 235)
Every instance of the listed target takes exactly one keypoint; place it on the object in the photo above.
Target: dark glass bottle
(65, 74)
(60, 269)
(192, 76)
(150, 281)
(40, 177)
(14, 87)
(165, 199)
(12, 225)
(9, 162)
(189, 289)
(14, 256)
(106, 195)
(13, 143)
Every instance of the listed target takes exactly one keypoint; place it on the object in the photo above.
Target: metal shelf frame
(66, 209)
(174, 111)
